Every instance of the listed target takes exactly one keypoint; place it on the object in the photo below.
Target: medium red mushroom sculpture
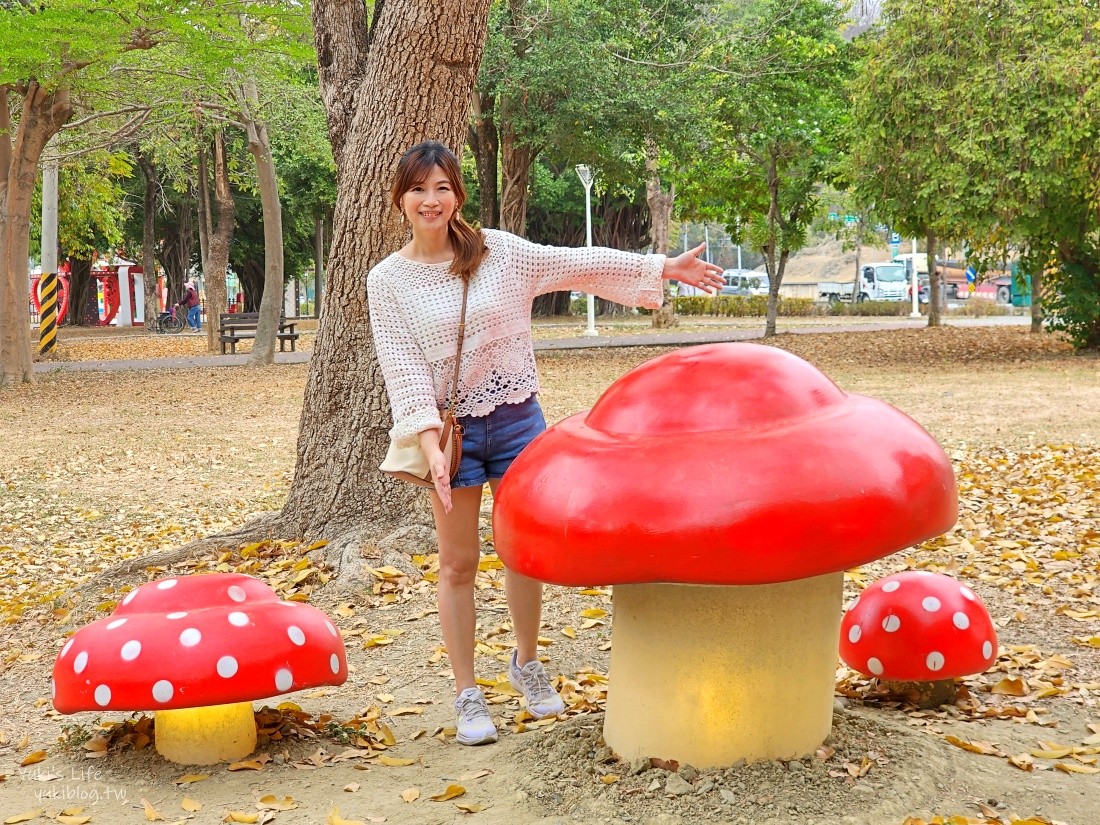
(197, 650)
(917, 632)
(723, 490)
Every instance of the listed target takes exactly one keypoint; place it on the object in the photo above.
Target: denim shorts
(490, 443)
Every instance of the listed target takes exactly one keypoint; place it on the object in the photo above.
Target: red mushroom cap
(721, 464)
(918, 626)
(194, 641)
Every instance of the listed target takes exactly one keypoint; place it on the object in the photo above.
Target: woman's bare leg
(524, 605)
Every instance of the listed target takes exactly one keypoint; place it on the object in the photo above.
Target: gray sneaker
(475, 726)
(531, 680)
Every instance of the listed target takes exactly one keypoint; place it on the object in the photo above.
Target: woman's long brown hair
(413, 168)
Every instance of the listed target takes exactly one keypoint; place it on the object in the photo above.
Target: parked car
(744, 282)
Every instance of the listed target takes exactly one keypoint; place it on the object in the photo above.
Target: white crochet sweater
(415, 307)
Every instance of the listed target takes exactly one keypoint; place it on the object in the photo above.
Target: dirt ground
(98, 467)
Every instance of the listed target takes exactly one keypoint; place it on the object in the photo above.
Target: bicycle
(169, 322)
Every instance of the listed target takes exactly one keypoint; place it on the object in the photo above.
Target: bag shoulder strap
(458, 356)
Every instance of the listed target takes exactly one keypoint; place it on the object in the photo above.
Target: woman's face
(429, 205)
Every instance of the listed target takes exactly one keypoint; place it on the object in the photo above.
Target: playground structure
(115, 306)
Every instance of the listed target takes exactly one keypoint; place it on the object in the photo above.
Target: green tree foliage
(990, 137)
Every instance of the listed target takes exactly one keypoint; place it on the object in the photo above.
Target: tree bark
(263, 347)
(43, 114)
(516, 161)
(486, 147)
(1037, 279)
(774, 267)
(148, 239)
(213, 267)
(935, 281)
(660, 205)
(419, 92)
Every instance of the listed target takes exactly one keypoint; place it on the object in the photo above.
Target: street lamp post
(585, 174)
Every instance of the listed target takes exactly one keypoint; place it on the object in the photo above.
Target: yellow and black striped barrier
(47, 324)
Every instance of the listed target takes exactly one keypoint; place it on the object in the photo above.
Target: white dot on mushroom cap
(331, 629)
(80, 662)
(334, 663)
(129, 597)
(53, 687)
(103, 696)
(987, 650)
(934, 660)
(65, 649)
(238, 619)
(891, 624)
(296, 635)
(163, 690)
(930, 603)
(284, 679)
(130, 650)
(961, 620)
(190, 637)
(236, 593)
(968, 593)
(227, 667)
(854, 632)
(167, 584)
(875, 666)
(890, 587)
(116, 623)
(181, 614)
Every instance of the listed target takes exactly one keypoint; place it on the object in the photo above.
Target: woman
(415, 298)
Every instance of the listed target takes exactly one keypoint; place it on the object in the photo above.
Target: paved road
(649, 339)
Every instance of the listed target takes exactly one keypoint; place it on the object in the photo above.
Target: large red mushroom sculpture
(197, 650)
(722, 490)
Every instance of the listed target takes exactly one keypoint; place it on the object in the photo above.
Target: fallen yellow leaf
(1073, 767)
(334, 818)
(24, 817)
(32, 758)
(189, 804)
(410, 794)
(452, 792)
(191, 777)
(246, 765)
(392, 761)
(1055, 753)
(469, 807)
(270, 802)
(1010, 687)
(151, 813)
(609, 778)
(69, 819)
(242, 817)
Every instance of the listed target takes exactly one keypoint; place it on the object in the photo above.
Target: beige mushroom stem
(203, 736)
(707, 675)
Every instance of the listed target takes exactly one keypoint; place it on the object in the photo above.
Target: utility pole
(47, 283)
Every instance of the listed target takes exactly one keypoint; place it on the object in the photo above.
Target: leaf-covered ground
(97, 467)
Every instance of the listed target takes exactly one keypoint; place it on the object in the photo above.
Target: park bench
(241, 326)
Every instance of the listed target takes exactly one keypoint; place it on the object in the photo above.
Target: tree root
(347, 553)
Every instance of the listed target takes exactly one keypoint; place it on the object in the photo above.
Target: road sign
(971, 276)
(895, 238)
(894, 249)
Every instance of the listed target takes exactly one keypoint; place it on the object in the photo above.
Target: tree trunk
(1036, 300)
(148, 239)
(176, 252)
(485, 146)
(422, 92)
(43, 114)
(263, 347)
(660, 214)
(213, 267)
(83, 298)
(859, 253)
(935, 281)
(516, 161)
(774, 268)
(205, 223)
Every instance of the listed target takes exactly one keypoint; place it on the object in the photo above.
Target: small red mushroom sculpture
(722, 490)
(197, 650)
(917, 632)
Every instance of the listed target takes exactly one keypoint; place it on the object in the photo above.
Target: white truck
(877, 282)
